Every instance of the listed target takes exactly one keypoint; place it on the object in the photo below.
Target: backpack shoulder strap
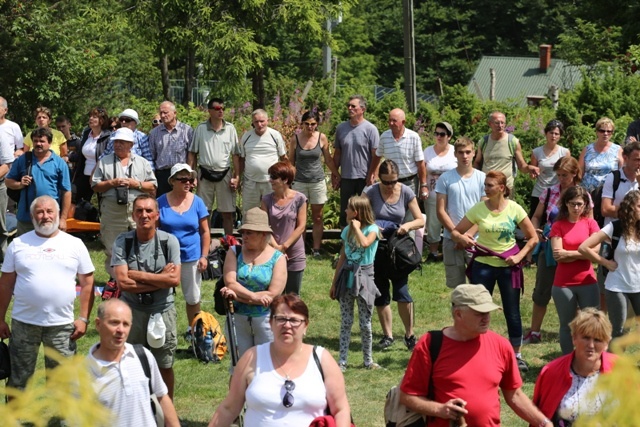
(617, 233)
(164, 245)
(139, 349)
(317, 360)
(29, 160)
(616, 182)
(512, 144)
(434, 351)
(483, 144)
(128, 245)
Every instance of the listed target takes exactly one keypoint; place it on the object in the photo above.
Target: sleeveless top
(547, 176)
(265, 393)
(255, 278)
(308, 164)
(598, 165)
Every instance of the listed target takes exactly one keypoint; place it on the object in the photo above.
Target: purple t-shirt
(283, 220)
(185, 227)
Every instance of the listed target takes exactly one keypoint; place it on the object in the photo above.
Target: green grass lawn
(199, 388)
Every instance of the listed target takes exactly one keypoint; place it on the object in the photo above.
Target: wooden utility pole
(409, 57)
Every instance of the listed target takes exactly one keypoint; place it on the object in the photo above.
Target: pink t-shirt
(580, 271)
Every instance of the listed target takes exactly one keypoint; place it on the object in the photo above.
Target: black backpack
(403, 254)
(607, 250)
(596, 197)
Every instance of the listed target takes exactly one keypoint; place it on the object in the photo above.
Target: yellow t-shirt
(496, 231)
(58, 140)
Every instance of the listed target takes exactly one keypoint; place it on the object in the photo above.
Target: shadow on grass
(189, 423)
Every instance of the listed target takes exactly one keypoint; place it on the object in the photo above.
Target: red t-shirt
(471, 370)
(580, 271)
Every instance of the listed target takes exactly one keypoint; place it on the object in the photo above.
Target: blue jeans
(487, 276)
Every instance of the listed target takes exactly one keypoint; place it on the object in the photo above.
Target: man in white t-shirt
(40, 271)
(120, 381)
(457, 191)
(10, 129)
(259, 149)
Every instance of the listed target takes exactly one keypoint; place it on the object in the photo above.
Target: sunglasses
(310, 123)
(273, 177)
(217, 108)
(352, 106)
(185, 180)
(287, 400)
(394, 182)
(157, 121)
(605, 131)
(440, 134)
(126, 120)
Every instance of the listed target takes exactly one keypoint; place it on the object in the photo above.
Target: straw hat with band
(256, 220)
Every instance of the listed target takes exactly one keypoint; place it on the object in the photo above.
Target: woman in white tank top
(280, 382)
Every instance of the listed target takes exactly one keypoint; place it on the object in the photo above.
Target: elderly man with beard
(40, 271)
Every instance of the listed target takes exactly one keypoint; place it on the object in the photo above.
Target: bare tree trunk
(189, 76)
(164, 71)
(257, 79)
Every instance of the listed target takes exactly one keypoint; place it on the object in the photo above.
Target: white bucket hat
(156, 331)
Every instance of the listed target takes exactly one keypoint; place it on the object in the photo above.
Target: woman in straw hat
(253, 278)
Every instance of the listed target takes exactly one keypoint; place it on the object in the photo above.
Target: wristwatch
(140, 185)
(84, 319)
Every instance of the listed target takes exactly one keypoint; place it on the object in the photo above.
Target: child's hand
(332, 292)
(355, 223)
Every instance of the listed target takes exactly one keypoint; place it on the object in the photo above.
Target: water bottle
(208, 347)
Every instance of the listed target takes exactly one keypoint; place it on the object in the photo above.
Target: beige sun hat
(256, 220)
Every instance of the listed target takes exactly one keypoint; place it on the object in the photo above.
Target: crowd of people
(156, 233)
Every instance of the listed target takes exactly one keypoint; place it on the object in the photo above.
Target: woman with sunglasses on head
(601, 157)
(545, 158)
(497, 257)
(93, 142)
(287, 211)
(439, 158)
(575, 285)
(253, 278)
(185, 215)
(306, 148)
(280, 382)
(391, 201)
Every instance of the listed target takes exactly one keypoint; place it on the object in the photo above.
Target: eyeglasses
(352, 106)
(293, 321)
(394, 182)
(440, 134)
(310, 123)
(287, 400)
(157, 121)
(605, 130)
(184, 180)
(217, 108)
(126, 120)
(576, 205)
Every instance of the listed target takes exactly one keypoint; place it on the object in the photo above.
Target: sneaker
(343, 366)
(386, 342)
(372, 366)
(522, 365)
(532, 338)
(316, 253)
(434, 257)
(410, 342)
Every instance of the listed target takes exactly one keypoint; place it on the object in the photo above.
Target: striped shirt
(169, 148)
(405, 152)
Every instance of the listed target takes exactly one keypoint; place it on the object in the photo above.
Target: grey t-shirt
(389, 212)
(356, 144)
(146, 256)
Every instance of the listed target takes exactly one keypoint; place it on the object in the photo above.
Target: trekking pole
(233, 337)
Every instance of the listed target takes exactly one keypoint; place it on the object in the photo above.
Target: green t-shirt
(496, 231)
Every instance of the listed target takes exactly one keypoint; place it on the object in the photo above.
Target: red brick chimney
(545, 57)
